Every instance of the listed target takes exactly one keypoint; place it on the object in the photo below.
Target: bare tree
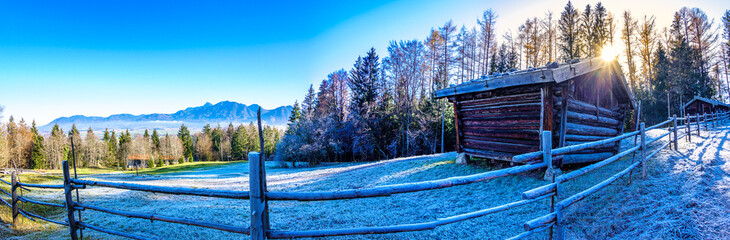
(486, 24)
(627, 35)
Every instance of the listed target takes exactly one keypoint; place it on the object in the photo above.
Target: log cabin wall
(499, 124)
(499, 117)
(593, 113)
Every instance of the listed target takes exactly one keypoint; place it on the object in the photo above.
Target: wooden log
(112, 232)
(489, 154)
(563, 116)
(548, 106)
(500, 146)
(643, 150)
(28, 200)
(500, 127)
(585, 158)
(498, 115)
(511, 134)
(387, 190)
(497, 104)
(506, 108)
(592, 118)
(72, 224)
(540, 221)
(588, 108)
(14, 197)
(580, 129)
(167, 190)
(258, 197)
(504, 140)
(500, 122)
(583, 138)
(607, 145)
(43, 218)
(501, 99)
(57, 186)
(585, 193)
(167, 219)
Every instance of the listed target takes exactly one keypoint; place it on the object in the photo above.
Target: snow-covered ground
(684, 196)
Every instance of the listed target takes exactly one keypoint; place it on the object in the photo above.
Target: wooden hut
(700, 105)
(502, 115)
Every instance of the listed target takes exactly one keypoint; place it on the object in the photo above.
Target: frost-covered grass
(684, 196)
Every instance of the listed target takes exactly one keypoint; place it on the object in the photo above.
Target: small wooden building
(700, 105)
(502, 115)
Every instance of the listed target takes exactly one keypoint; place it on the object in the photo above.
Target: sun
(609, 53)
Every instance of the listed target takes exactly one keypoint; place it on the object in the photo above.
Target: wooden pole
(676, 144)
(258, 197)
(14, 196)
(262, 167)
(69, 201)
(698, 124)
(547, 155)
(456, 128)
(643, 150)
(687, 122)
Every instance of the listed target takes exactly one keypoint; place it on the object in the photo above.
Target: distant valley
(194, 117)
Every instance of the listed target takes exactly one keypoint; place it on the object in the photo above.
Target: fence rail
(259, 196)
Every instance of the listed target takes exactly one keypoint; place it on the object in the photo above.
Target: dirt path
(685, 196)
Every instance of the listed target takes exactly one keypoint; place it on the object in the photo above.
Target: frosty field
(685, 196)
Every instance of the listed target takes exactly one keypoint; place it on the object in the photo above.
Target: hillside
(194, 117)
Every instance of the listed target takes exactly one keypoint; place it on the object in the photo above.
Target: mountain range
(194, 117)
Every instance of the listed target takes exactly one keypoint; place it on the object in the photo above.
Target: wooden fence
(259, 196)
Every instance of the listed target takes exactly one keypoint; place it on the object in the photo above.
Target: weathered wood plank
(500, 146)
(592, 118)
(574, 128)
(506, 140)
(512, 134)
(506, 108)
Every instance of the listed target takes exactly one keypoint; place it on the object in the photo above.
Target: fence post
(698, 124)
(643, 151)
(547, 156)
(687, 122)
(69, 200)
(256, 181)
(14, 196)
(674, 121)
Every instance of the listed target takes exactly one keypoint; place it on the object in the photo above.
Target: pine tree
(239, 143)
(146, 135)
(187, 141)
(38, 152)
(295, 114)
(155, 141)
(568, 26)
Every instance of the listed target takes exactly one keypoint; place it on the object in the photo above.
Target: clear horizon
(103, 58)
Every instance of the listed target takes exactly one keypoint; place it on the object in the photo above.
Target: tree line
(383, 109)
(22, 146)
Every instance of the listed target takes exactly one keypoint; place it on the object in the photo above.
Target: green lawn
(56, 174)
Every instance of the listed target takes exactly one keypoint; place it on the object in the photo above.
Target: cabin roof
(551, 73)
(714, 103)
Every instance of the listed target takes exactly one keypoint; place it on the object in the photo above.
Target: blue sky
(98, 58)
